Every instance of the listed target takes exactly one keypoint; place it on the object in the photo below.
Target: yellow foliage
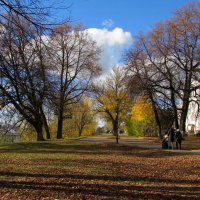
(109, 103)
(143, 120)
(142, 110)
(28, 133)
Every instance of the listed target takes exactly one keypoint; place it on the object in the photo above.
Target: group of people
(170, 137)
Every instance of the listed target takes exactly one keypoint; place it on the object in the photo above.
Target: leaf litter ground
(61, 170)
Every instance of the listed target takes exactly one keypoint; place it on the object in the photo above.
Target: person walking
(165, 141)
(171, 136)
(178, 137)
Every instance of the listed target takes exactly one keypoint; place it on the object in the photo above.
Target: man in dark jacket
(171, 135)
(178, 137)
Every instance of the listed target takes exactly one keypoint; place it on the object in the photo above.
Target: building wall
(193, 118)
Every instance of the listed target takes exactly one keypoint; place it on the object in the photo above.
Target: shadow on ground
(90, 185)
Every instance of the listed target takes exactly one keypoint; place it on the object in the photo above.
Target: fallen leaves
(98, 172)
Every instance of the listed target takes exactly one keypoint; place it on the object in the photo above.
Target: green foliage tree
(129, 127)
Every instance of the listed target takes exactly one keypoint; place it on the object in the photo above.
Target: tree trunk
(186, 101)
(79, 133)
(159, 130)
(174, 108)
(60, 124)
(156, 117)
(38, 128)
(183, 117)
(115, 129)
(48, 135)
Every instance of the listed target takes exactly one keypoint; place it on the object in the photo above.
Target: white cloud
(113, 43)
(108, 23)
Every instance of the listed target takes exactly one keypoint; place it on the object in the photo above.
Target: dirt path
(123, 140)
(148, 144)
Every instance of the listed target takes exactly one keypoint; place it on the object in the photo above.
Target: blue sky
(113, 24)
(132, 15)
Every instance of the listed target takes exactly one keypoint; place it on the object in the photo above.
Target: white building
(193, 116)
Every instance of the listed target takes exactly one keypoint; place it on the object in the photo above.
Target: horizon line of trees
(48, 70)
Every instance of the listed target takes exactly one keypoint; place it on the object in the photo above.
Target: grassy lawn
(191, 142)
(72, 170)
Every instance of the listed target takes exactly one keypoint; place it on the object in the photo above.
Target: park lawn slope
(73, 170)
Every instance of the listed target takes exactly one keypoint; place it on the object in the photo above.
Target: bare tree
(74, 59)
(23, 73)
(171, 52)
(32, 11)
(184, 49)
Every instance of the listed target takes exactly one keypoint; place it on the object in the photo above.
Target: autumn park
(74, 124)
